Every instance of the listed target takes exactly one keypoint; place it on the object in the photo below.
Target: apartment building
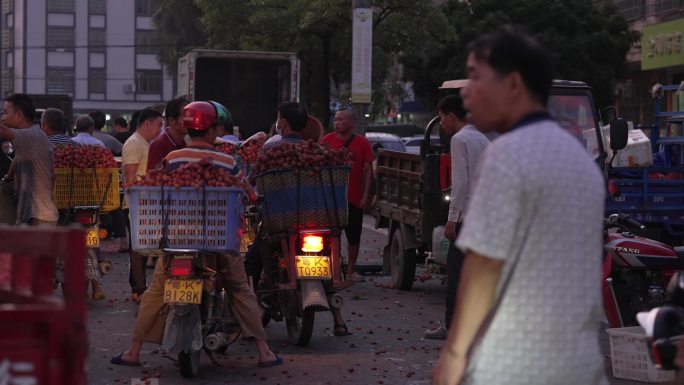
(100, 52)
(658, 57)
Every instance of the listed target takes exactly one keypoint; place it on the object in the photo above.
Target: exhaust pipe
(215, 340)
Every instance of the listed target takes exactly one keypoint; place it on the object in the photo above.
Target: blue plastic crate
(206, 219)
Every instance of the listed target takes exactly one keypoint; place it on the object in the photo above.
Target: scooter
(302, 272)
(89, 217)
(200, 315)
(636, 271)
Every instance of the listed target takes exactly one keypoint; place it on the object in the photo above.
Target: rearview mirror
(618, 134)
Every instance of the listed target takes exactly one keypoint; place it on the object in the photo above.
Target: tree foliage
(319, 31)
(588, 40)
(179, 29)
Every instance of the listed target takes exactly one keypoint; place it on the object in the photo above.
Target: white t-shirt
(540, 196)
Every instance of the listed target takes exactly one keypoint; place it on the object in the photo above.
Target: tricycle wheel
(189, 363)
(402, 262)
(300, 327)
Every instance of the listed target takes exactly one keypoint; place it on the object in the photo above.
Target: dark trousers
(138, 272)
(454, 264)
(253, 262)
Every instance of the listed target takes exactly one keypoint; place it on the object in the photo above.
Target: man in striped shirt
(54, 125)
(201, 120)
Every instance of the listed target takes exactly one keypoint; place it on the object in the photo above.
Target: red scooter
(636, 271)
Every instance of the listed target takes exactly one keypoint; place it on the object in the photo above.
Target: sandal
(341, 330)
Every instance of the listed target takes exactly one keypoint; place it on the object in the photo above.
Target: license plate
(313, 267)
(183, 291)
(93, 238)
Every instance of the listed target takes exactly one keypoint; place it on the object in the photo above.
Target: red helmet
(199, 116)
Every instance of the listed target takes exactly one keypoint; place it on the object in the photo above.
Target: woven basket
(296, 199)
(86, 187)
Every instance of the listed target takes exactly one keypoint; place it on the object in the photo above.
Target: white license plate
(313, 267)
(183, 291)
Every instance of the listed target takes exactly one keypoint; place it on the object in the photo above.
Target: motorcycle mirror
(618, 134)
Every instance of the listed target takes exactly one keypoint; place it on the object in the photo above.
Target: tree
(588, 41)
(178, 30)
(319, 31)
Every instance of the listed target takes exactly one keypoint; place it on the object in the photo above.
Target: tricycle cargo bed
(409, 191)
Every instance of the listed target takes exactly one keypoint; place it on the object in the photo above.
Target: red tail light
(655, 355)
(86, 217)
(180, 267)
(312, 243)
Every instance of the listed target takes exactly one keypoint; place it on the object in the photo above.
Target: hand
(449, 368)
(450, 231)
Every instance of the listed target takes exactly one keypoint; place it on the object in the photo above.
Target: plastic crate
(304, 198)
(87, 187)
(629, 354)
(206, 218)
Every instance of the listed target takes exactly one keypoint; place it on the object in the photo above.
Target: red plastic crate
(43, 338)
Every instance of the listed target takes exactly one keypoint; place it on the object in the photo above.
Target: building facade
(100, 52)
(658, 57)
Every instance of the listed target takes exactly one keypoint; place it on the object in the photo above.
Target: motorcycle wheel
(189, 363)
(300, 327)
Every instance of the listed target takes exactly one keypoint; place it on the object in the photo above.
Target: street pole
(362, 53)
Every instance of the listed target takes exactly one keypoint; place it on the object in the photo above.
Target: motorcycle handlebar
(624, 220)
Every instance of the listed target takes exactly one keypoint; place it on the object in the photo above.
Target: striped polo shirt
(195, 153)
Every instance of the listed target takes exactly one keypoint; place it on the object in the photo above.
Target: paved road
(386, 348)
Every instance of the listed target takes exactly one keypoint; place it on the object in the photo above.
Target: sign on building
(362, 53)
(661, 45)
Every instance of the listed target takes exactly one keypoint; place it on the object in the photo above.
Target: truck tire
(402, 262)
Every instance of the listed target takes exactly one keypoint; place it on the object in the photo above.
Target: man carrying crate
(201, 120)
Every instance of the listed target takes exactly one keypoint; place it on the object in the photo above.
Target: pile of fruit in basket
(302, 155)
(196, 174)
(250, 148)
(83, 157)
(226, 148)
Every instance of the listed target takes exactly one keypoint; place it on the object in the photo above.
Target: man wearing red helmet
(203, 124)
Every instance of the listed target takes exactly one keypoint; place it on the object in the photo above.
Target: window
(148, 82)
(9, 20)
(60, 38)
(631, 9)
(97, 83)
(146, 41)
(97, 7)
(63, 6)
(9, 59)
(666, 5)
(96, 40)
(146, 7)
(60, 80)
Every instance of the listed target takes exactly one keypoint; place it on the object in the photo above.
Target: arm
(130, 171)
(476, 294)
(459, 186)
(6, 133)
(367, 181)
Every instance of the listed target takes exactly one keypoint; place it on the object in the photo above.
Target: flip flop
(268, 364)
(119, 361)
(341, 331)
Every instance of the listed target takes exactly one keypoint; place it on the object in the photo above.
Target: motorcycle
(635, 271)
(200, 316)
(302, 271)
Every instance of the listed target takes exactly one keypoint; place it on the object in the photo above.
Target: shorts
(354, 225)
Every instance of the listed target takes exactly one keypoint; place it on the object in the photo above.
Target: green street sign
(661, 45)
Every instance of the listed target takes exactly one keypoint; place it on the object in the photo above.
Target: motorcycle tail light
(180, 267)
(312, 243)
(86, 217)
(655, 355)
(103, 234)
